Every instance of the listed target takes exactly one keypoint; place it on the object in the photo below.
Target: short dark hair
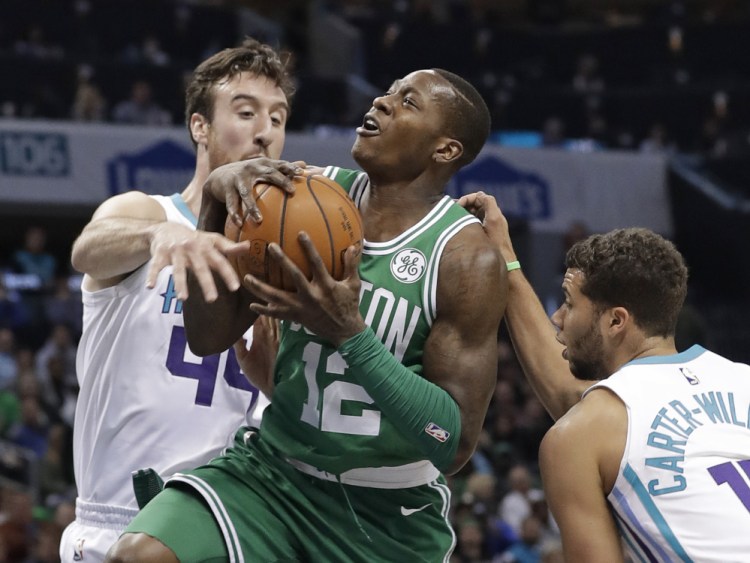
(637, 269)
(469, 118)
(250, 56)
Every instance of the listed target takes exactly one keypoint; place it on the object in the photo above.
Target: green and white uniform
(330, 477)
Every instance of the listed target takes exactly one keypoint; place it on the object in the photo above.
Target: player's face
(250, 114)
(579, 330)
(400, 132)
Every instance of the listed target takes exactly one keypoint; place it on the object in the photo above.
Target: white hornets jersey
(145, 400)
(683, 490)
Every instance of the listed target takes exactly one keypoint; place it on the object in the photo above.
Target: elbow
(201, 344)
(462, 457)
(78, 259)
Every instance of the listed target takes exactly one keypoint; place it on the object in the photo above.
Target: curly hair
(469, 118)
(250, 56)
(637, 269)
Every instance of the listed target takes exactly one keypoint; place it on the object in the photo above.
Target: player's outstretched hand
(485, 208)
(327, 307)
(201, 252)
(232, 184)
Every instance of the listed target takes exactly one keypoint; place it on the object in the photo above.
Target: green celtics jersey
(319, 414)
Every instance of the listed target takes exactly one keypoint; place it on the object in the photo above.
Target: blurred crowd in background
(651, 75)
(643, 75)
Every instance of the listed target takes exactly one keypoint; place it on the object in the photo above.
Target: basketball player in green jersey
(383, 379)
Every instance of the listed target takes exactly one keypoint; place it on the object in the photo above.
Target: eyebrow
(256, 99)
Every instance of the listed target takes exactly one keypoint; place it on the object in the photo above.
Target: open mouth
(369, 127)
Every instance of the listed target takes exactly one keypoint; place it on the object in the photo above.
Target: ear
(448, 150)
(618, 319)
(199, 126)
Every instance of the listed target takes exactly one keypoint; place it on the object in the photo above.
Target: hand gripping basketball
(318, 206)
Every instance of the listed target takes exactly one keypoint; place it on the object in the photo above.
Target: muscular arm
(579, 459)
(540, 355)
(130, 229)
(117, 240)
(531, 331)
(461, 352)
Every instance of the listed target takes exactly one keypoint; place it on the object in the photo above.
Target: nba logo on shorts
(78, 550)
(408, 265)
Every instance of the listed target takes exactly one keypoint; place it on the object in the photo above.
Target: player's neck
(390, 212)
(193, 193)
(649, 347)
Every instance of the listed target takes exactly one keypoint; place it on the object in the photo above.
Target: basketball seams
(282, 237)
(331, 246)
(336, 223)
(353, 215)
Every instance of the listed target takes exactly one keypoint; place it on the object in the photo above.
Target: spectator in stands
(8, 364)
(553, 132)
(25, 362)
(31, 431)
(34, 258)
(89, 104)
(531, 425)
(54, 475)
(62, 345)
(45, 547)
(58, 395)
(587, 79)
(527, 549)
(140, 108)
(657, 141)
(13, 312)
(470, 542)
(63, 307)
(37, 266)
(16, 522)
(516, 504)
(149, 51)
(35, 44)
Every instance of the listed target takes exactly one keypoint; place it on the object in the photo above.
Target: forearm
(424, 412)
(113, 246)
(213, 214)
(213, 327)
(540, 355)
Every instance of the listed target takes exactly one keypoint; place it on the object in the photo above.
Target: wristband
(515, 265)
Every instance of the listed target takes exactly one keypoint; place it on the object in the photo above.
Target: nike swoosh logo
(409, 511)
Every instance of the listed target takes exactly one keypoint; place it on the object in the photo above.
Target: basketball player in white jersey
(145, 400)
(655, 458)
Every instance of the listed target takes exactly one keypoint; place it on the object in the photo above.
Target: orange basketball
(318, 206)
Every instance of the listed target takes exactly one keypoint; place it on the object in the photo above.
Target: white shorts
(95, 529)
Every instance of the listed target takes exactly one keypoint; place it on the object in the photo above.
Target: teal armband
(422, 410)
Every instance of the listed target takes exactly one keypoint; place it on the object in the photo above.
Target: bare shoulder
(600, 411)
(595, 428)
(471, 252)
(471, 272)
(132, 205)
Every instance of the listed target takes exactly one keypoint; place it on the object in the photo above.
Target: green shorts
(251, 505)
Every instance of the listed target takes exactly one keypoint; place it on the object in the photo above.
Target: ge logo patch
(408, 265)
